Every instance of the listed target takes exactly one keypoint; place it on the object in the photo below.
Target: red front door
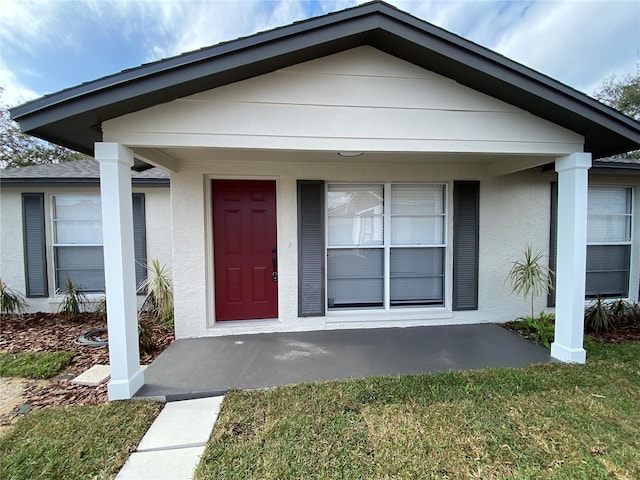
(244, 246)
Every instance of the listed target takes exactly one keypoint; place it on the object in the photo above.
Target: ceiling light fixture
(350, 154)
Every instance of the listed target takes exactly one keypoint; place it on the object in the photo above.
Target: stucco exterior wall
(158, 235)
(361, 99)
(411, 124)
(514, 210)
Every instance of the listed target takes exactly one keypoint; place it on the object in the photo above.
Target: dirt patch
(48, 332)
(11, 397)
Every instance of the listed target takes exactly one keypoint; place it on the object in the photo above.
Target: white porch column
(119, 269)
(573, 181)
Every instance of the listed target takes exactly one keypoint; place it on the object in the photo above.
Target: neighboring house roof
(631, 162)
(77, 173)
(73, 117)
(621, 166)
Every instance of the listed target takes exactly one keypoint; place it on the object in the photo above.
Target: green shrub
(145, 337)
(100, 309)
(73, 300)
(597, 317)
(11, 302)
(621, 311)
(540, 330)
(158, 303)
(636, 314)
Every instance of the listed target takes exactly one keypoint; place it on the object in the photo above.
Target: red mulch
(48, 332)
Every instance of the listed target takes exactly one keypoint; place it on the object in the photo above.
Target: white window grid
(386, 246)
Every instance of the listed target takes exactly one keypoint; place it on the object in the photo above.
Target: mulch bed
(49, 332)
(626, 333)
(630, 333)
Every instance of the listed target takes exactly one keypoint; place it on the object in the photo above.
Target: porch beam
(119, 269)
(573, 184)
(510, 165)
(157, 158)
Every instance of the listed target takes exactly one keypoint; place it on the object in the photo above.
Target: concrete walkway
(194, 370)
(172, 447)
(212, 366)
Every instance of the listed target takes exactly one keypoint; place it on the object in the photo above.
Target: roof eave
(607, 131)
(76, 182)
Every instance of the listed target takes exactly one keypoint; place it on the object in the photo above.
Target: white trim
(632, 221)
(387, 245)
(119, 272)
(52, 223)
(210, 296)
(568, 355)
(573, 184)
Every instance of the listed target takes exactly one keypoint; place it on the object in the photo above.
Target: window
(385, 245)
(77, 241)
(608, 241)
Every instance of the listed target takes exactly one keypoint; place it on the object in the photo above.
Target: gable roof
(72, 117)
(77, 173)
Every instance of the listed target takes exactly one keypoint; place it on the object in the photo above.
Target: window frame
(628, 243)
(139, 201)
(54, 236)
(387, 245)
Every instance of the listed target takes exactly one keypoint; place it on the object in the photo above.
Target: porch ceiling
(497, 164)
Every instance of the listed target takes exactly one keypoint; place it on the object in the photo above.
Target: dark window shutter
(466, 224)
(553, 244)
(139, 237)
(35, 251)
(311, 256)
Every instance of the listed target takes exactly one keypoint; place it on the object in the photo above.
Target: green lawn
(549, 421)
(33, 364)
(75, 442)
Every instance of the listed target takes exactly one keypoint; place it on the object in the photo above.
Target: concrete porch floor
(202, 367)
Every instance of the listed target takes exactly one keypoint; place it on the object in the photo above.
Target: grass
(33, 364)
(75, 442)
(554, 421)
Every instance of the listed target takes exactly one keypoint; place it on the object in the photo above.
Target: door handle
(274, 263)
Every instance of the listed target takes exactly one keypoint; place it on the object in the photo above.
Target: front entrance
(244, 246)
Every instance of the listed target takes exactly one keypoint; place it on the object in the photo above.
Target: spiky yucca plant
(158, 302)
(597, 316)
(528, 277)
(11, 302)
(73, 300)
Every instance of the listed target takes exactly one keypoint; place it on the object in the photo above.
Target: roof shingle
(79, 171)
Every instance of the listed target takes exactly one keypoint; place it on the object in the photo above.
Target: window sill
(397, 314)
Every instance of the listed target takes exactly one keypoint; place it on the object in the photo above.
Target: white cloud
(577, 42)
(208, 23)
(13, 92)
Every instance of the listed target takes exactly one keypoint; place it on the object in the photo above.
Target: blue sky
(46, 46)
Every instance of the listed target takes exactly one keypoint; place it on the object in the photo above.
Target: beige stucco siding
(514, 210)
(158, 235)
(360, 99)
(411, 124)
